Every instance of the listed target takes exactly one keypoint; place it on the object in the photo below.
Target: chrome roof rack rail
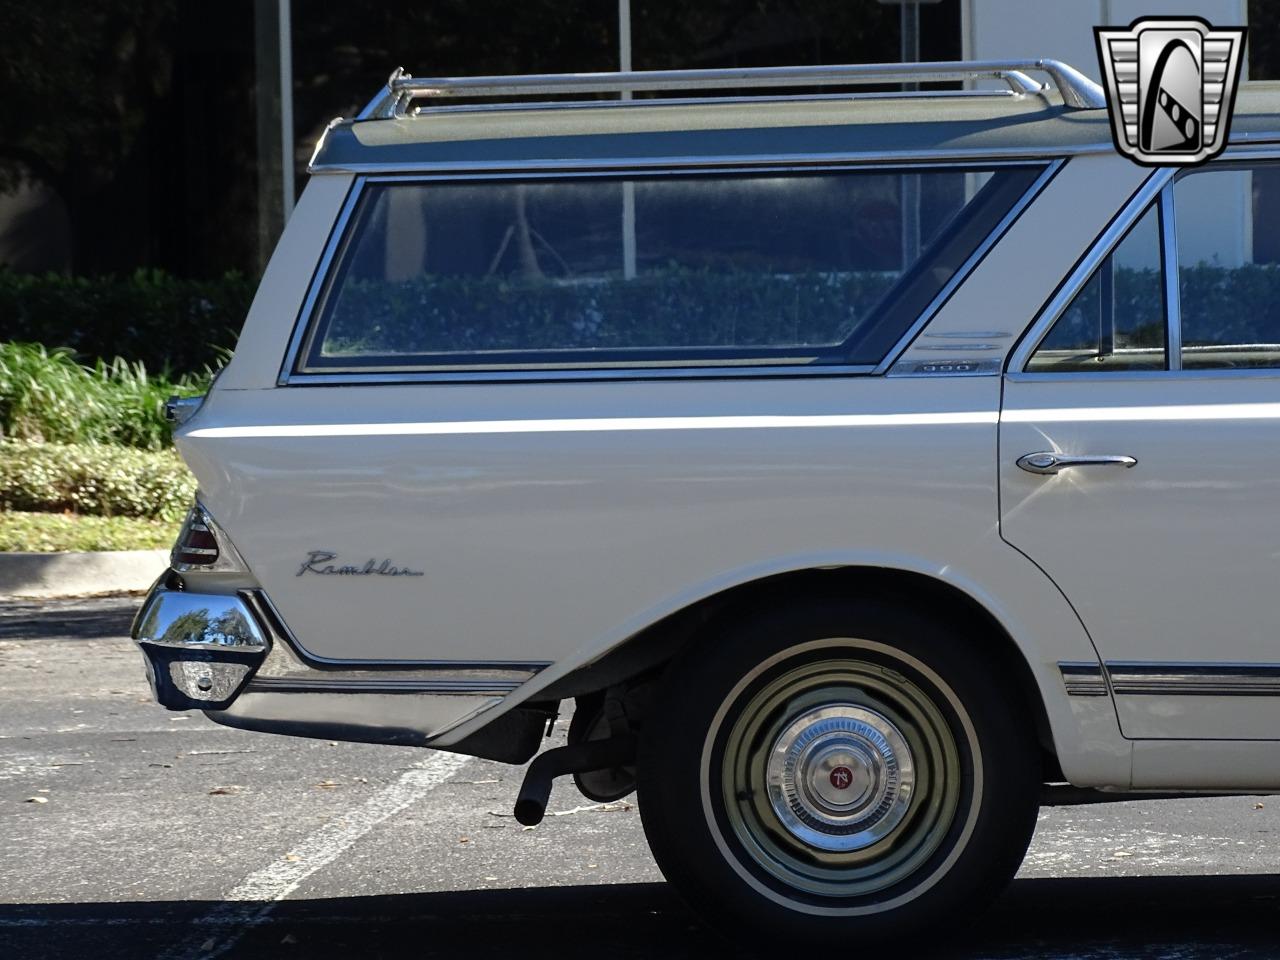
(397, 97)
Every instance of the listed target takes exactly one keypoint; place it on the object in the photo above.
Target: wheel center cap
(840, 777)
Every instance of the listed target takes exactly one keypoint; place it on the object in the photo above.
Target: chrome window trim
(1118, 376)
(628, 374)
(302, 321)
(1172, 293)
(306, 322)
(1107, 241)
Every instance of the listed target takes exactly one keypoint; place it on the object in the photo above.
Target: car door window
(1229, 267)
(1117, 320)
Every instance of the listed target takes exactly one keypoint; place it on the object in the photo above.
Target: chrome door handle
(1047, 463)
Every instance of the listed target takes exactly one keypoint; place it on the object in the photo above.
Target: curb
(44, 575)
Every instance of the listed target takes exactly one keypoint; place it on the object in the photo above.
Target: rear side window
(1229, 267)
(824, 268)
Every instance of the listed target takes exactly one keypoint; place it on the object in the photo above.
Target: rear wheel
(846, 766)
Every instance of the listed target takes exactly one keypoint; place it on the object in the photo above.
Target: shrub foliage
(96, 479)
(671, 308)
(147, 317)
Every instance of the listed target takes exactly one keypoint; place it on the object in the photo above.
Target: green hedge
(99, 480)
(46, 395)
(671, 308)
(150, 317)
(1230, 305)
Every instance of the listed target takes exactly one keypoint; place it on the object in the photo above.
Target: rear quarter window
(662, 271)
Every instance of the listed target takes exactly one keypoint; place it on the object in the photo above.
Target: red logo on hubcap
(841, 778)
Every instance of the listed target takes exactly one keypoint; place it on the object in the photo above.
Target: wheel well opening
(642, 657)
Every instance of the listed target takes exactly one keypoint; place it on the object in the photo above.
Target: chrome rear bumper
(201, 649)
(232, 657)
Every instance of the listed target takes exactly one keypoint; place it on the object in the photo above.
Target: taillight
(203, 546)
(197, 545)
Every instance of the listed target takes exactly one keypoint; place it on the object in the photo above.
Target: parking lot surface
(129, 831)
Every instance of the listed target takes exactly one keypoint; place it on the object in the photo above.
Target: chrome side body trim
(1082, 679)
(447, 685)
(305, 325)
(1083, 270)
(1139, 678)
(1142, 678)
(291, 659)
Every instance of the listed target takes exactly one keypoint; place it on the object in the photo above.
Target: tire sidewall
(683, 811)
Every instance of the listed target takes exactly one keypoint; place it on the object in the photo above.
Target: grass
(46, 395)
(48, 532)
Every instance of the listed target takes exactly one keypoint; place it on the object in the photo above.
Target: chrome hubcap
(839, 774)
(840, 777)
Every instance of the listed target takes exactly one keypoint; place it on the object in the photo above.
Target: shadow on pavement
(94, 618)
(1184, 917)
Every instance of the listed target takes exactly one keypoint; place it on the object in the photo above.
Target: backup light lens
(196, 546)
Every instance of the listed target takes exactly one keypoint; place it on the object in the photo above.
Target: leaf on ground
(614, 807)
(227, 791)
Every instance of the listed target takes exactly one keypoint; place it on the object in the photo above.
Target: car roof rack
(397, 98)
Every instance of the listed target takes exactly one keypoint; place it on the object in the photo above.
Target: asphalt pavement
(127, 831)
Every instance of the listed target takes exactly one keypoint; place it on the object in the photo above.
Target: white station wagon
(868, 469)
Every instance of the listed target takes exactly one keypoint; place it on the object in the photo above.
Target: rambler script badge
(1171, 85)
(321, 562)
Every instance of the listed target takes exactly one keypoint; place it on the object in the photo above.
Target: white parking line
(252, 900)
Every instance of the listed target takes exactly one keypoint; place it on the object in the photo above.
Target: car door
(1138, 453)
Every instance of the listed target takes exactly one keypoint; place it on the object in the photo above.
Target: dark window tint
(1229, 267)
(677, 270)
(1117, 320)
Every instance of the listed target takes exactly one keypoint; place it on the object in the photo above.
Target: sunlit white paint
(1174, 560)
